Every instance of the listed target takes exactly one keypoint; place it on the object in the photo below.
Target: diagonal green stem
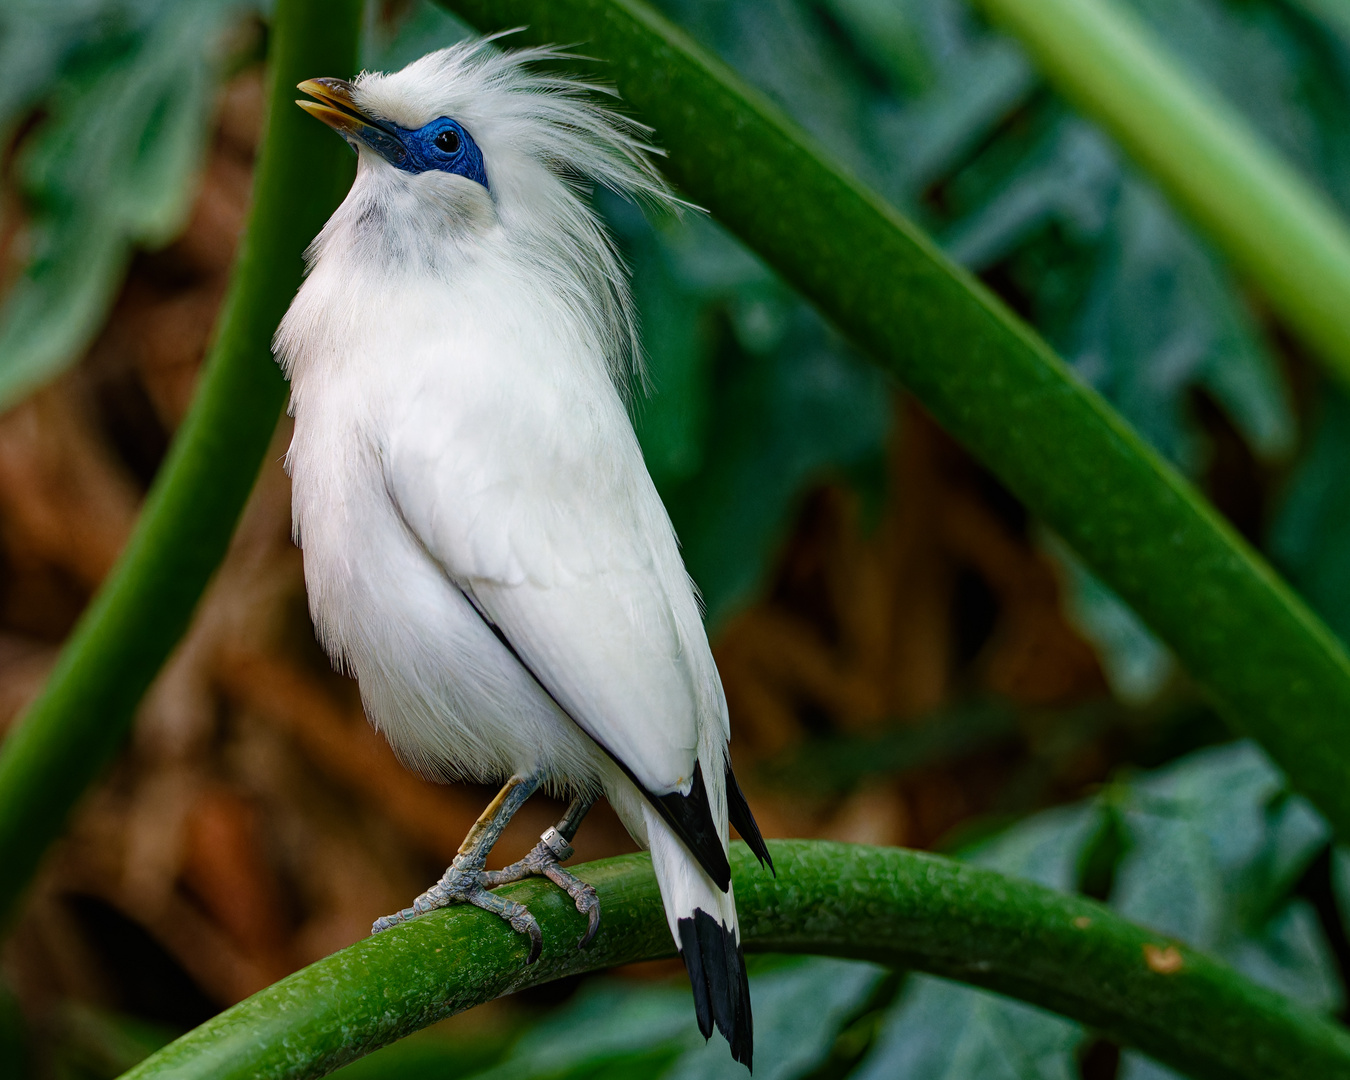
(1274, 225)
(69, 734)
(887, 905)
(1276, 670)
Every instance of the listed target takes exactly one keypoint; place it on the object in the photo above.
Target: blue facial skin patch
(442, 145)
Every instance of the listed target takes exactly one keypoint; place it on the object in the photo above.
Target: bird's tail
(702, 920)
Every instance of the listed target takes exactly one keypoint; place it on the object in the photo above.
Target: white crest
(546, 138)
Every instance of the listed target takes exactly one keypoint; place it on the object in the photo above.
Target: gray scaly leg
(555, 847)
(464, 880)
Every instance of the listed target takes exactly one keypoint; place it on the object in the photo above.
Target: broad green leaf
(111, 167)
(1216, 846)
(1310, 537)
(1143, 310)
(751, 398)
(778, 419)
(1136, 664)
(1213, 846)
(1286, 83)
(1250, 198)
(938, 1030)
(944, 1031)
(1335, 14)
(609, 1024)
(644, 1031)
(1161, 317)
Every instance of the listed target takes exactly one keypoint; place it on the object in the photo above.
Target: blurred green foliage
(756, 398)
(124, 90)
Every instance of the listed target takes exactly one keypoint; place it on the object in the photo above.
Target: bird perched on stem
(484, 548)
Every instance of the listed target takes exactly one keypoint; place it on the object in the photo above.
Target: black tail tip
(716, 967)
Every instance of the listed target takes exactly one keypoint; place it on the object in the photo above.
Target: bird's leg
(463, 881)
(554, 848)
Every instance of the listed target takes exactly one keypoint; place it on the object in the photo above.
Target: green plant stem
(1274, 668)
(69, 734)
(887, 905)
(1275, 226)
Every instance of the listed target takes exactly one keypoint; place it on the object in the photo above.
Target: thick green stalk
(1274, 225)
(1269, 662)
(887, 905)
(69, 734)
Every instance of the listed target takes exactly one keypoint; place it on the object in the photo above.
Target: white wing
(541, 509)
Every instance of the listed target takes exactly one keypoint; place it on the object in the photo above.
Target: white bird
(483, 546)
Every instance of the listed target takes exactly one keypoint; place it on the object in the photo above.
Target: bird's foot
(464, 882)
(544, 860)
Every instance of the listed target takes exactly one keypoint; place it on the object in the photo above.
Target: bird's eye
(447, 141)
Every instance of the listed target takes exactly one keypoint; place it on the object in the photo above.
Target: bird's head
(474, 152)
(483, 136)
(442, 144)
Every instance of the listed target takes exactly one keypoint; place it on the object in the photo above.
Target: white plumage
(484, 548)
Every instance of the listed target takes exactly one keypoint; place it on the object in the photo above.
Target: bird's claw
(464, 883)
(543, 861)
(583, 895)
(523, 922)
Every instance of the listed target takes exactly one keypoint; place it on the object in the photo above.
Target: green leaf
(1145, 312)
(1215, 847)
(943, 1031)
(1310, 537)
(1334, 13)
(395, 38)
(1161, 316)
(644, 1031)
(1289, 85)
(1274, 225)
(608, 1024)
(940, 1030)
(779, 419)
(1136, 664)
(1047, 848)
(1212, 846)
(112, 167)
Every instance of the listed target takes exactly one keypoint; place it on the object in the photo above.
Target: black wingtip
(716, 967)
(690, 817)
(743, 821)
